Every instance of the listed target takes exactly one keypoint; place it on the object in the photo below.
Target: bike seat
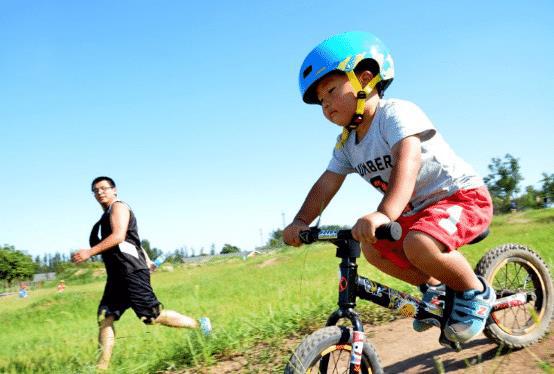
(480, 237)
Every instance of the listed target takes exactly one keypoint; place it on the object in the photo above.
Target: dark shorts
(130, 291)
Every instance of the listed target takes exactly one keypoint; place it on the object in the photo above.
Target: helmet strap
(362, 93)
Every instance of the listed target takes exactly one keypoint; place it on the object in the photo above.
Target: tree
(503, 181)
(228, 248)
(178, 256)
(548, 186)
(276, 239)
(153, 253)
(530, 199)
(15, 265)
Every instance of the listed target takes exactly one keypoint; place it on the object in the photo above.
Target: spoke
(506, 276)
(517, 274)
(509, 284)
(515, 282)
(526, 314)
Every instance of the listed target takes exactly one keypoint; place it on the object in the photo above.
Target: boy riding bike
(438, 199)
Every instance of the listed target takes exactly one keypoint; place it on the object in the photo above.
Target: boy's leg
(474, 297)
(430, 256)
(106, 341)
(410, 275)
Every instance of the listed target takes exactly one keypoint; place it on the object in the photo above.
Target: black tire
(333, 344)
(512, 268)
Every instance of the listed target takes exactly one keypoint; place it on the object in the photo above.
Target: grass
(262, 299)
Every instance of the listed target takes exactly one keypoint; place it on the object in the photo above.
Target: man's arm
(316, 201)
(119, 220)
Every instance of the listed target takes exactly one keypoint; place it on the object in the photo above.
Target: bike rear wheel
(512, 269)
(328, 350)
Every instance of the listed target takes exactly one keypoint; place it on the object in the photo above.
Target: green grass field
(265, 298)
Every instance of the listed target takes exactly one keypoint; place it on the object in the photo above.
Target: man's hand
(151, 266)
(81, 256)
(364, 229)
(291, 235)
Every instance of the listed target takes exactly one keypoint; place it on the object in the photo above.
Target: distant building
(40, 277)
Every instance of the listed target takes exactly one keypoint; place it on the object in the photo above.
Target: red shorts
(454, 221)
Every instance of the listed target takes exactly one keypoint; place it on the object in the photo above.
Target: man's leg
(147, 307)
(106, 341)
(174, 319)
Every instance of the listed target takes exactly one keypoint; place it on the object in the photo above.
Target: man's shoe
(205, 325)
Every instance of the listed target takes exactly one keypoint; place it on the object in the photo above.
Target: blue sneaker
(469, 313)
(205, 325)
(431, 295)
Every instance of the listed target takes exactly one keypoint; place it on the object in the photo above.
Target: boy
(128, 284)
(439, 201)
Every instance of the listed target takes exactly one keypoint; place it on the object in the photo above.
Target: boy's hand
(291, 235)
(364, 229)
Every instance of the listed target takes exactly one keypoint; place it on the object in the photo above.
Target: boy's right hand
(291, 234)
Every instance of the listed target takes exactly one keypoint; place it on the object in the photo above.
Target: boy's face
(337, 97)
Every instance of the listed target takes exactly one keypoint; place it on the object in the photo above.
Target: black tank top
(126, 257)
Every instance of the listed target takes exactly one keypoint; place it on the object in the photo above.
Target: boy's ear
(365, 77)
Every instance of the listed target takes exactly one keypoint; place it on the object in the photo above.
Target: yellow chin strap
(362, 93)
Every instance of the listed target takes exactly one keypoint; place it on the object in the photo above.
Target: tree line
(16, 265)
(503, 181)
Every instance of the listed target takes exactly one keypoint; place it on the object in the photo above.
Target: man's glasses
(100, 189)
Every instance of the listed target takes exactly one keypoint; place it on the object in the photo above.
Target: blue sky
(193, 108)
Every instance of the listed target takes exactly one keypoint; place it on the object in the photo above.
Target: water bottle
(159, 260)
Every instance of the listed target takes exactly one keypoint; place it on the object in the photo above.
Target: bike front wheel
(328, 350)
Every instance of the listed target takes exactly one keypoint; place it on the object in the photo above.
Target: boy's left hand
(364, 229)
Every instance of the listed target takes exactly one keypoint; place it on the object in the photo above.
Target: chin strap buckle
(356, 121)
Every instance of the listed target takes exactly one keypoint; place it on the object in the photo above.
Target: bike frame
(352, 286)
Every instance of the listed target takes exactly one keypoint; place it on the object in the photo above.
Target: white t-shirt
(442, 172)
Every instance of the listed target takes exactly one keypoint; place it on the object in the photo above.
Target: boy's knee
(419, 245)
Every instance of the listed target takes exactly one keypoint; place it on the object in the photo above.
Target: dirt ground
(403, 350)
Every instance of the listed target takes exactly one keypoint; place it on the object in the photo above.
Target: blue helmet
(343, 52)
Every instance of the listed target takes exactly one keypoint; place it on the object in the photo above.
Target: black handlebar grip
(391, 231)
(306, 237)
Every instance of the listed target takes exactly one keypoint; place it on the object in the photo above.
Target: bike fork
(348, 251)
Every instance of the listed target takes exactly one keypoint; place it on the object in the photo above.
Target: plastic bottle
(159, 260)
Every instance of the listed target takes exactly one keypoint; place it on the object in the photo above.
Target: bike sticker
(343, 283)
(357, 348)
(373, 288)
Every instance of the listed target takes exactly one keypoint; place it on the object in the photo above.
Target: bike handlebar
(390, 231)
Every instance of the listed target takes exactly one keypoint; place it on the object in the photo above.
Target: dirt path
(403, 350)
